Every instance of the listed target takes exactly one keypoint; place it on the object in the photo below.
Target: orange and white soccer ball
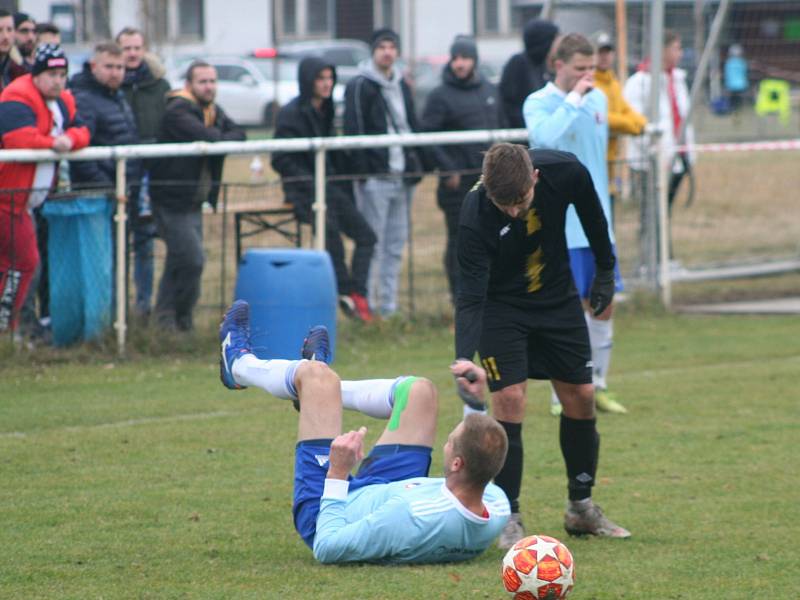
(538, 567)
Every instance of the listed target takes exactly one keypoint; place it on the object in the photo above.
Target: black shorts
(518, 344)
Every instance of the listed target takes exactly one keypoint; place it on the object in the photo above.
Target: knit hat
(20, 18)
(49, 56)
(465, 46)
(384, 34)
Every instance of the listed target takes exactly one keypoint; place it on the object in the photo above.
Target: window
(190, 19)
(318, 16)
(387, 14)
(156, 20)
(305, 18)
(289, 17)
(96, 22)
(491, 16)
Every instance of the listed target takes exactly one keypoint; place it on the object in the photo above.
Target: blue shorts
(581, 261)
(384, 464)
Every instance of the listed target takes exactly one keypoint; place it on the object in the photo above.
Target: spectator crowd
(561, 88)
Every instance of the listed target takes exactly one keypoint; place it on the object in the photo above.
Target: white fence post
(320, 201)
(120, 218)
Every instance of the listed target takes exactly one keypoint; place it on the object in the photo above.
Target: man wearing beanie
(378, 101)
(25, 37)
(36, 112)
(527, 71)
(465, 100)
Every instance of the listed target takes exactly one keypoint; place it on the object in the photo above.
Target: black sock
(509, 479)
(580, 446)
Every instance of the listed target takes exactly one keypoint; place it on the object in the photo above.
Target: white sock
(468, 410)
(601, 337)
(274, 376)
(373, 397)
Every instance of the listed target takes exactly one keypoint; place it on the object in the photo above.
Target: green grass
(146, 479)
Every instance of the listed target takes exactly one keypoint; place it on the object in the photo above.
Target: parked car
(343, 54)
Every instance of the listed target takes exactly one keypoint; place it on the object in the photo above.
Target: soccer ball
(538, 567)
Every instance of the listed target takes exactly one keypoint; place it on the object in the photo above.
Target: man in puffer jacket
(527, 71)
(108, 116)
(464, 101)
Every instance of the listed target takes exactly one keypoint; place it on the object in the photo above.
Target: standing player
(519, 308)
(571, 114)
(390, 511)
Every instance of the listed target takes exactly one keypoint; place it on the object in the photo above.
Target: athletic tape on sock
(401, 392)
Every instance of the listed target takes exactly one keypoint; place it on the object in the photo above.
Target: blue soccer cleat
(234, 338)
(317, 345)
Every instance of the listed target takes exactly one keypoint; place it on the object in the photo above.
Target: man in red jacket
(36, 112)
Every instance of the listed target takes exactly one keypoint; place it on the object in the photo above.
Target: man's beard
(26, 52)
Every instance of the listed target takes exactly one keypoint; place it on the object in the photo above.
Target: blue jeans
(385, 203)
(144, 233)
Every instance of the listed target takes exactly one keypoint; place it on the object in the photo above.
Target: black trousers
(342, 217)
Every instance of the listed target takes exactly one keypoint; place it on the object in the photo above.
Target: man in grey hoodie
(379, 101)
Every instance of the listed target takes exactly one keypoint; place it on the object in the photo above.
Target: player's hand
(585, 84)
(346, 451)
(470, 383)
(602, 292)
(453, 182)
(62, 143)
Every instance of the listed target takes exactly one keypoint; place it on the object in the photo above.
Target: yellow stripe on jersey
(533, 222)
(535, 267)
(477, 185)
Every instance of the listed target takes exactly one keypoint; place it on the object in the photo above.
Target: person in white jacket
(673, 110)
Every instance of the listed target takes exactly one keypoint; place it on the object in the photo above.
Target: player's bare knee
(423, 394)
(317, 372)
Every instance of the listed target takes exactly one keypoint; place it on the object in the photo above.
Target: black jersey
(525, 263)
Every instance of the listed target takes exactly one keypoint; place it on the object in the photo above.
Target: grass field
(146, 479)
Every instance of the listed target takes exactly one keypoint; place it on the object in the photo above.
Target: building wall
(437, 23)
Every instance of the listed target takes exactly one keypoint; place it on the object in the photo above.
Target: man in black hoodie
(311, 115)
(464, 101)
(527, 71)
(180, 185)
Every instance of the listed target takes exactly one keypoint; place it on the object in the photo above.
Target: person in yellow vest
(622, 118)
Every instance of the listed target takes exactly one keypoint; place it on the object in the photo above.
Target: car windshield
(287, 69)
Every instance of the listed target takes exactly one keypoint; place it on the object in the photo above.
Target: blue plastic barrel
(289, 291)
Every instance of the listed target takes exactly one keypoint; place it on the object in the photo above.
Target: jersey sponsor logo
(505, 230)
(413, 484)
(322, 459)
(534, 270)
(490, 366)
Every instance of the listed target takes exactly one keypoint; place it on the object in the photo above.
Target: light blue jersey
(415, 520)
(574, 124)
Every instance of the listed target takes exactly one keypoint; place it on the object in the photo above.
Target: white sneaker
(512, 532)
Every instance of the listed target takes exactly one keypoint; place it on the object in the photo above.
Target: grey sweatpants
(385, 203)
